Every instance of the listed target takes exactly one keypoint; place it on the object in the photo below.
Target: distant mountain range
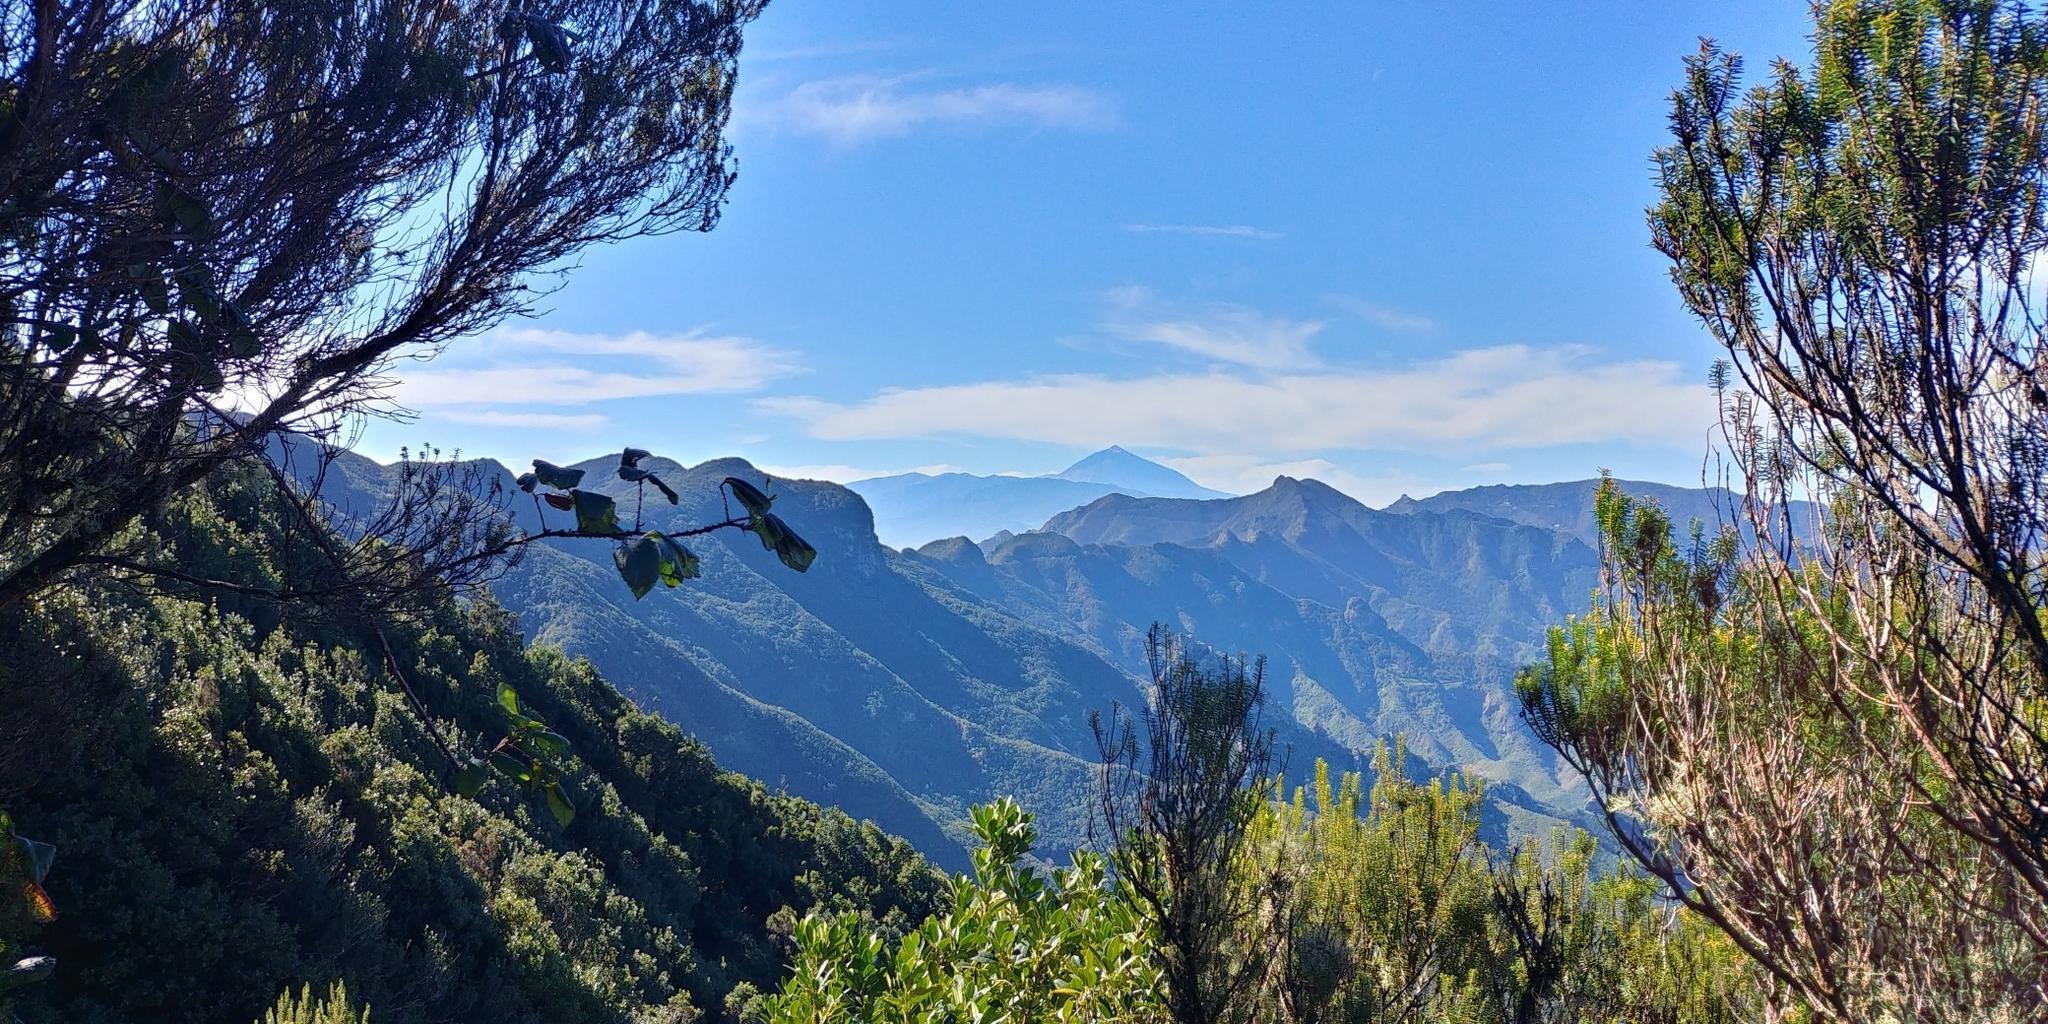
(1569, 506)
(912, 508)
(906, 685)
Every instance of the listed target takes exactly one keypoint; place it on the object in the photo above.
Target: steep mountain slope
(853, 683)
(243, 801)
(1403, 623)
(1133, 474)
(915, 508)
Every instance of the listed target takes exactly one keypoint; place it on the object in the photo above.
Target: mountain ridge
(913, 508)
(903, 685)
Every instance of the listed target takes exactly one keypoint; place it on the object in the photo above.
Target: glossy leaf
(595, 513)
(512, 766)
(666, 491)
(678, 563)
(776, 536)
(639, 562)
(559, 804)
(508, 698)
(748, 495)
(550, 742)
(556, 476)
(27, 971)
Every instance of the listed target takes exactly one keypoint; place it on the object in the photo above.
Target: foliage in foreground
(1393, 911)
(245, 802)
(1832, 742)
(1015, 941)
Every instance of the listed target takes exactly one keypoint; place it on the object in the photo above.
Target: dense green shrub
(303, 1008)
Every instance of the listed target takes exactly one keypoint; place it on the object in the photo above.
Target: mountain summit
(915, 508)
(1135, 474)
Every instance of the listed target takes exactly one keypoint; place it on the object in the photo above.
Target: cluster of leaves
(1016, 944)
(264, 808)
(532, 755)
(647, 557)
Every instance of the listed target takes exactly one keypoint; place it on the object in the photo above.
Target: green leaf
(527, 481)
(639, 562)
(633, 474)
(559, 805)
(512, 765)
(469, 779)
(595, 513)
(508, 699)
(748, 495)
(630, 458)
(550, 742)
(38, 857)
(556, 476)
(776, 536)
(678, 563)
(666, 491)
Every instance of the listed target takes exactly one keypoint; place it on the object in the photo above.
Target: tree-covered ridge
(244, 802)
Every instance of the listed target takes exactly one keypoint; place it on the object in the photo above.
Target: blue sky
(1397, 247)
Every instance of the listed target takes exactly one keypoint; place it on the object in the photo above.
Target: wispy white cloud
(1216, 230)
(1501, 398)
(1226, 333)
(1385, 316)
(531, 366)
(584, 423)
(862, 108)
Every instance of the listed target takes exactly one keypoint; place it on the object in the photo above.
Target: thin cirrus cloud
(1385, 316)
(855, 109)
(1213, 331)
(530, 366)
(575, 423)
(1500, 398)
(1205, 230)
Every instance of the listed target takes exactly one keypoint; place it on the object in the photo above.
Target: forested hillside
(243, 800)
